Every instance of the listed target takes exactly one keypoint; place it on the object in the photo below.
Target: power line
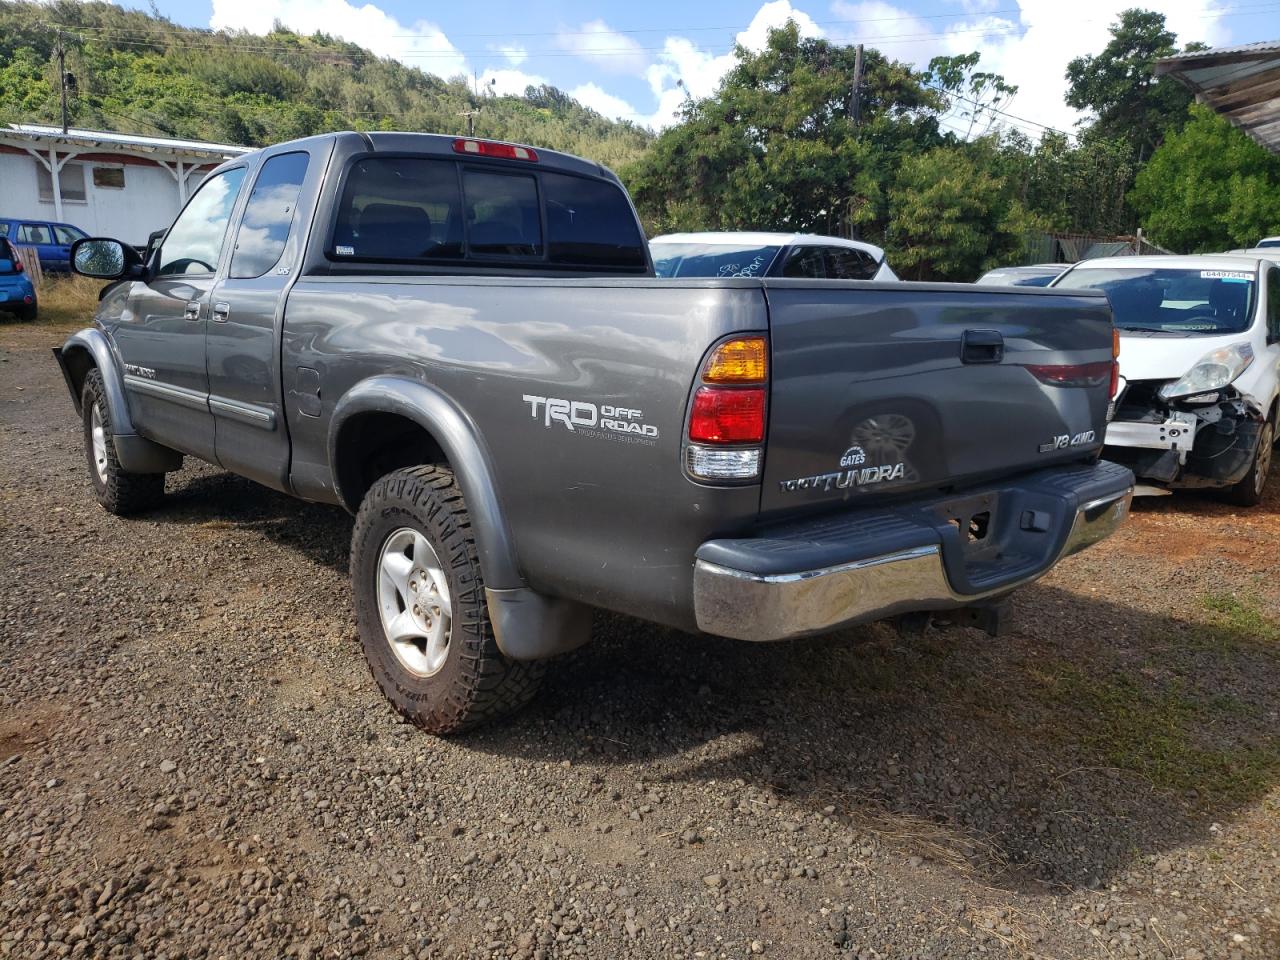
(224, 41)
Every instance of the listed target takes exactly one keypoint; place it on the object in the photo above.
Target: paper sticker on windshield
(1225, 275)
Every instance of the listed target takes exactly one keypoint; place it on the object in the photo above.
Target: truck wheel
(1248, 492)
(116, 489)
(420, 605)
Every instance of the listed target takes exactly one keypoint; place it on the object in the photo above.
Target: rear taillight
(1075, 374)
(1115, 362)
(491, 148)
(727, 416)
(17, 266)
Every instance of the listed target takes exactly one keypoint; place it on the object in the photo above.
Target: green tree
(1119, 86)
(1208, 187)
(975, 97)
(776, 147)
(952, 217)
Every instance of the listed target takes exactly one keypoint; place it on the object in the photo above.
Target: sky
(634, 61)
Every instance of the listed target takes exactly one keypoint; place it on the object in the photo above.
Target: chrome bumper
(746, 606)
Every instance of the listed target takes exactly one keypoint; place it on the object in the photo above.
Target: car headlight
(1213, 371)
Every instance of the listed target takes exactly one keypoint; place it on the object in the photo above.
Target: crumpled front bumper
(770, 592)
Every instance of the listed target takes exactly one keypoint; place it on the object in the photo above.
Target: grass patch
(1176, 736)
(1241, 620)
(67, 299)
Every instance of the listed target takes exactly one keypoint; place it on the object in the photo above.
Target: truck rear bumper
(813, 577)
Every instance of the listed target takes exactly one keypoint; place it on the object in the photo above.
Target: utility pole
(471, 120)
(855, 118)
(62, 79)
(855, 106)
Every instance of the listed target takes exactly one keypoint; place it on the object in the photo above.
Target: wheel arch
(84, 350)
(369, 415)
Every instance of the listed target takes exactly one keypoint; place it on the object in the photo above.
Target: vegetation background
(928, 169)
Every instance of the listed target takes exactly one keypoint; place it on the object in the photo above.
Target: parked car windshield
(711, 259)
(1189, 301)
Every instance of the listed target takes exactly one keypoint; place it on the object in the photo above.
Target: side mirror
(103, 258)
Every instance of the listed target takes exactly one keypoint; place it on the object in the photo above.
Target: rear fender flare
(459, 438)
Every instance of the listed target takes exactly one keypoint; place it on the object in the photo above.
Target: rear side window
(34, 233)
(4, 229)
(848, 263)
(502, 214)
(590, 223)
(268, 216)
(805, 262)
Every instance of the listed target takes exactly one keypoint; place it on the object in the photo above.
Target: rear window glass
(711, 259)
(502, 214)
(400, 208)
(415, 209)
(590, 223)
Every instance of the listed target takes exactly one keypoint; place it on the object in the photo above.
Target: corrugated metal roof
(1241, 83)
(103, 138)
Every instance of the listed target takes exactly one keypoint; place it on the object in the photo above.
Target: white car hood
(1158, 357)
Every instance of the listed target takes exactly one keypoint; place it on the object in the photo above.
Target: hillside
(137, 73)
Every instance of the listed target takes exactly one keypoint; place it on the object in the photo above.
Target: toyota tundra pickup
(463, 343)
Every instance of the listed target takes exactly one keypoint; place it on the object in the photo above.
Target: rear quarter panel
(600, 516)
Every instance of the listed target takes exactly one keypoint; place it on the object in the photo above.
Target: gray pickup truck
(463, 343)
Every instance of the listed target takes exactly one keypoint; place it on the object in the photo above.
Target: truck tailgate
(879, 389)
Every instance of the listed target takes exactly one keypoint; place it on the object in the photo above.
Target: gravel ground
(194, 761)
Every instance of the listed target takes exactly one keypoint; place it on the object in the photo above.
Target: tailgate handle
(981, 346)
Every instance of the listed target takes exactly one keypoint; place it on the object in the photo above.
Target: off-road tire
(477, 683)
(1248, 492)
(117, 490)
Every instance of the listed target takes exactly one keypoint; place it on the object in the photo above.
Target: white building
(108, 184)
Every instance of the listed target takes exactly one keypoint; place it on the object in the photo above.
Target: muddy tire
(1248, 492)
(421, 610)
(117, 490)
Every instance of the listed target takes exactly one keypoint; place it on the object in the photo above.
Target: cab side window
(1273, 303)
(805, 262)
(195, 240)
(268, 216)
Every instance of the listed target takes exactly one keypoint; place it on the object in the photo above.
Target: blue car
(17, 294)
(52, 240)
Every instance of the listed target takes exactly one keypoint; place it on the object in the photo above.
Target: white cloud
(1030, 50)
(509, 82)
(591, 95)
(419, 44)
(609, 50)
(700, 72)
(514, 54)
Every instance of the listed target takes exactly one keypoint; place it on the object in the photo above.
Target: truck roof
(1198, 261)
(763, 238)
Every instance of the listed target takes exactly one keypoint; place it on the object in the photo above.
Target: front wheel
(1248, 492)
(117, 490)
(421, 609)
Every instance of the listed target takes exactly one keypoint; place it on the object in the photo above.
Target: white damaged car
(1199, 360)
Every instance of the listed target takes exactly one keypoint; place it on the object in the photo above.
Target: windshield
(1269, 242)
(711, 259)
(1192, 302)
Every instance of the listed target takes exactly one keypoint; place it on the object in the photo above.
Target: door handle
(192, 310)
(221, 311)
(981, 346)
